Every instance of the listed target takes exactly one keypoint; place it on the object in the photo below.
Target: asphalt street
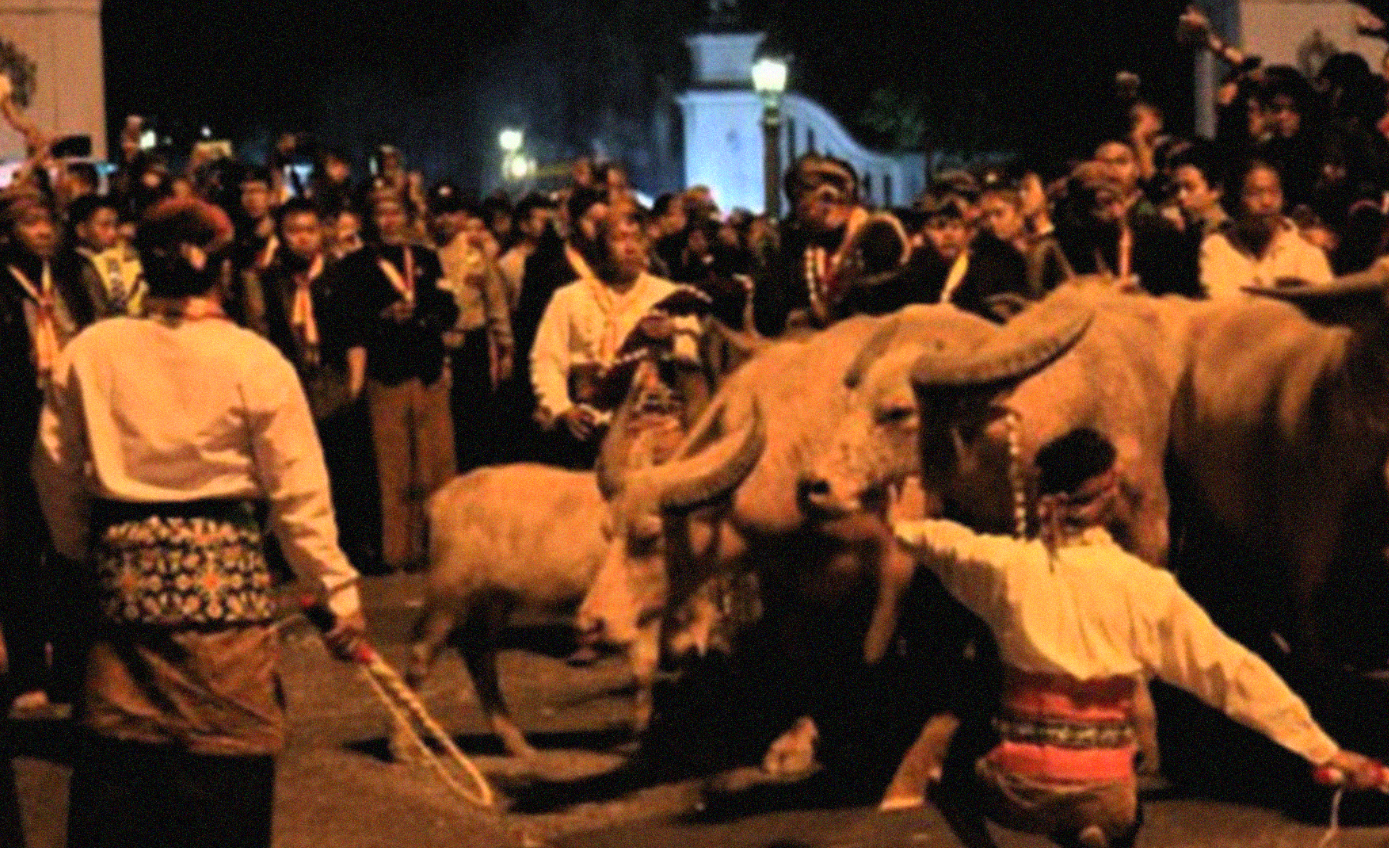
(338, 786)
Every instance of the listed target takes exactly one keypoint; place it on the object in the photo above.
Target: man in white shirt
(1076, 618)
(1260, 247)
(586, 324)
(156, 438)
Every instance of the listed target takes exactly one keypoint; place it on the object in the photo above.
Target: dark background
(598, 76)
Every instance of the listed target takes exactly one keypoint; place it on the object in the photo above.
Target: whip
(409, 713)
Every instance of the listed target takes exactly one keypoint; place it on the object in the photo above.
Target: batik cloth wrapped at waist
(186, 564)
(1058, 728)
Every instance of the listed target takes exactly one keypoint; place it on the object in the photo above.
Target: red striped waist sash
(1058, 728)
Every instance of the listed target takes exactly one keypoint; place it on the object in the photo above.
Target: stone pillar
(63, 40)
(723, 140)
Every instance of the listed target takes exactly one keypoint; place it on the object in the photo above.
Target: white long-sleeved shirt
(585, 323)
(146, 411)
(1225, 268)
(1090, 610)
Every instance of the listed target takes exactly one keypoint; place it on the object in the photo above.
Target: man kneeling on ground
(1075, 618)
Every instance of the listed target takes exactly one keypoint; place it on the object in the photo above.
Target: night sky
(440, 79)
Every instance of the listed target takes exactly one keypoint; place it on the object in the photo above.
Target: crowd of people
(433, 332)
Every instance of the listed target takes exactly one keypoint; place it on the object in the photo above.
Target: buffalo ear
(871, 352)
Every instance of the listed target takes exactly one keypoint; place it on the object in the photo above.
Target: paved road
(337, 787)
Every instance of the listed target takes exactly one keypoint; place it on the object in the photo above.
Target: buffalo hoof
(793, 753)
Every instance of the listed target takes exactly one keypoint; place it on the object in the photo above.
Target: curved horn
(614, 457)
(1024, 345)
(872, 349)
(716, 470)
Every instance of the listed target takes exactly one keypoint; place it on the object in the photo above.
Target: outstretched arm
(1178, 642)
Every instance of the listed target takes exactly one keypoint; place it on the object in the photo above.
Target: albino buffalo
(733, 499)
(508, 536)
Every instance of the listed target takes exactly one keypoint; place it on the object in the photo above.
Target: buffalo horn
(1024, 345)
(716, 470)
(871, 351)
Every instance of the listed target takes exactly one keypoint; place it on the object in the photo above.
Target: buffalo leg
(479, 651)
(923, 764)
(431, 633)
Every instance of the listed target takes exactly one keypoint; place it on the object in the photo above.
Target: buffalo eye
(896, 414)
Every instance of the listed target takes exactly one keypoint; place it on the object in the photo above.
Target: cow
(732, 500)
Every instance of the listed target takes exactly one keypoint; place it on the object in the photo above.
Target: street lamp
(510, 140)
(769, 80)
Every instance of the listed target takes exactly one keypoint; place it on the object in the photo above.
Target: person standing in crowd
(256, 241)
(961, 266)
(1118, 231)
(1076, 618)
(1001, 212)
(585, 326)
(157, 437)
(534, 215)
(330, 184)
(831, 240)
(556, 262)
(42, 306)
(254, 248)
(111, 273)
(309, 319)
(479, 344)
(1199, 191)
(1260, 247)
(401, 316)
(345, 232)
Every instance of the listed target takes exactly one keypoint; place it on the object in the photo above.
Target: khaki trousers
(414, 456)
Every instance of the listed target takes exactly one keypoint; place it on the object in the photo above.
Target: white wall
(63, 38)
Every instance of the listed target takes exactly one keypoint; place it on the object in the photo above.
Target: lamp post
(769, 80)
(514, 164)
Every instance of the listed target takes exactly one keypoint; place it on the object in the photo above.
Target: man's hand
(346, 636)
(1354, 771)
(579, 422)
(400, 311)
(656, 325)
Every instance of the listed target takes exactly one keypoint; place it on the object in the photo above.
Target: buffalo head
(972, 453)
(655, 519)
(875, 443)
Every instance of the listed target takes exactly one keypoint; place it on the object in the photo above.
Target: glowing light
(769, 76)
(511, 139)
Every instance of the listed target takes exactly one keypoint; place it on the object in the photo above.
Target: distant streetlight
(769, 80)
(519, 167)
(510, 140)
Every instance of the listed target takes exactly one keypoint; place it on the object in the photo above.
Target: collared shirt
(115, 280)
(1226, 267)
(153, 410)
(477, 289)
(585, 323)
(1091, 610)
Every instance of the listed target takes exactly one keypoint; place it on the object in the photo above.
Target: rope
(407, 710)
(405, 706)
(1334, 827)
